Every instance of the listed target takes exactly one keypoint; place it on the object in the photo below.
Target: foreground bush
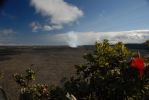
(107, 75)
(30, 91)
(34, 91)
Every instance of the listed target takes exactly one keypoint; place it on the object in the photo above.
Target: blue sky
(73, 22)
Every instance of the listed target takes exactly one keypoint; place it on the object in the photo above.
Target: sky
(73, 22)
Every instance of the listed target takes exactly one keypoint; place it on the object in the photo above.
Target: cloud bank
(74, 39)
(7, 32)
(6, 36)
(58, 11)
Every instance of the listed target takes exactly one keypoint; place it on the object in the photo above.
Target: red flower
(138, 63)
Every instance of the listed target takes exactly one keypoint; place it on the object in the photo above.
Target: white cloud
(6, 32)
(58, 11)
(35, 26)
(47, 28)
(52, 27)
(74, 39)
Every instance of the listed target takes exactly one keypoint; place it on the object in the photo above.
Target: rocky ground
(51, 64)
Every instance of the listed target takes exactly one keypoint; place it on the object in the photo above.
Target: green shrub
(107, 75)
(31, 91)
